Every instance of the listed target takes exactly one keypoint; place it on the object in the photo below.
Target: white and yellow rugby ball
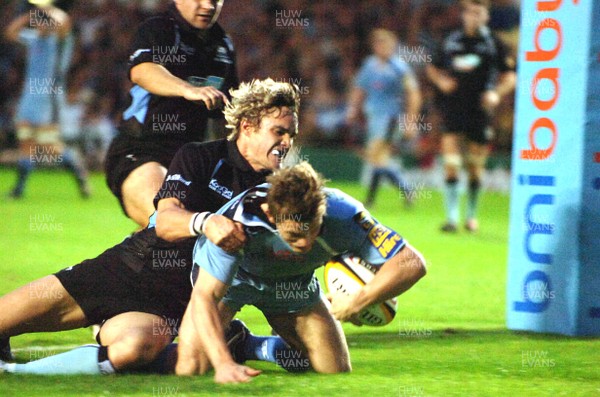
(346, 274)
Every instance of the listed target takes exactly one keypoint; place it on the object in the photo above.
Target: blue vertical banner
(554, 244)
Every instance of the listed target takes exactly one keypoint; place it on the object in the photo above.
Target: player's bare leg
(318, 335)
(476, 158)
(139, 189)
(450, 147)
(135, 339)
(40, 306)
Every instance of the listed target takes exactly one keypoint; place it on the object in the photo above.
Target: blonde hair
(297, 191)
(252, 101)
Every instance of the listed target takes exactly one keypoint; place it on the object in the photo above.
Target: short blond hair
(252, 101)
(297, 191)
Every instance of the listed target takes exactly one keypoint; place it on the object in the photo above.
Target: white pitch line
(46, 348)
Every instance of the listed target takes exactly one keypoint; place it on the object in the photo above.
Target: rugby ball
(346, 274)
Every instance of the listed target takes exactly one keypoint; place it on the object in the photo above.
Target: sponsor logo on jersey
(221, 190)
(365, 220)
(385, 240)
(466, 62)
(178, 177)
(222, 55)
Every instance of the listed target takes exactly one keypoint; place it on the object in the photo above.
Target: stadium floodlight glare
(41, 3)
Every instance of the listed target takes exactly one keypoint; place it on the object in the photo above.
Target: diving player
(472, 72)
(294, 225)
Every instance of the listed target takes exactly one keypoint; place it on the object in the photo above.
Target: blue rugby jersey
(347, 227)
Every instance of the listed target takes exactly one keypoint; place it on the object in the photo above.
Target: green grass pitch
(448, 338)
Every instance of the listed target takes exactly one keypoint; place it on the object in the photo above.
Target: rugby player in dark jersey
(138, 290)
(472, 71)
(181, 64)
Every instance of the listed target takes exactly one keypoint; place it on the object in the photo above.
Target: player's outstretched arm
(207, 322)
(63, 22)
(397, 275)
(157, 80)
(11, 33)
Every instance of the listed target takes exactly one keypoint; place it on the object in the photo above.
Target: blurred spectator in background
(46, 32)
(316, 44)
(387, 92)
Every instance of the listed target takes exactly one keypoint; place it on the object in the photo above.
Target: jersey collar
(236, 158)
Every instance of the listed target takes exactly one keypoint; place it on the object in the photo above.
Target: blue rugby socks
(452, 198)
(274, 349)
(473, 198)
(84, 360)
(24, 168)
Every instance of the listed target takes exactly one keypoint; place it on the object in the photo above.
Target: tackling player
(293, 226)
(472, 71)
(143, 283)
(179, 60)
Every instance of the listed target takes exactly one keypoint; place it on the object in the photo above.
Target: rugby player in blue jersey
(293, 226)
(46, 34)
(385, 89)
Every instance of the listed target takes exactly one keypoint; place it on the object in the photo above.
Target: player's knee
(338, 368)
(136, 349)
(476, 163)
(452, 163)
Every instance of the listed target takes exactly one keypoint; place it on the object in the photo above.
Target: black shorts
(109, 285)
(474, 123)
(127, 153)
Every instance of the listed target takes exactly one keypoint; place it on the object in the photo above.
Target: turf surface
(448, 339)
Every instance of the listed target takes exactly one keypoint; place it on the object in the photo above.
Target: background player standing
(384, 89)
(46, 32)
(472, 71)
(181, 64)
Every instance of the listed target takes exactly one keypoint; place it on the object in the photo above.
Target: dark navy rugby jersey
(197, 56)
(475, 62)
(204, 177)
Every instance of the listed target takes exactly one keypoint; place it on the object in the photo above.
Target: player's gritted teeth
(279, 153)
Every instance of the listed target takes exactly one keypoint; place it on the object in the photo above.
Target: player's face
(383, 47)
(300, 236)
(474, 16)
(198, 13)
(267, 144)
